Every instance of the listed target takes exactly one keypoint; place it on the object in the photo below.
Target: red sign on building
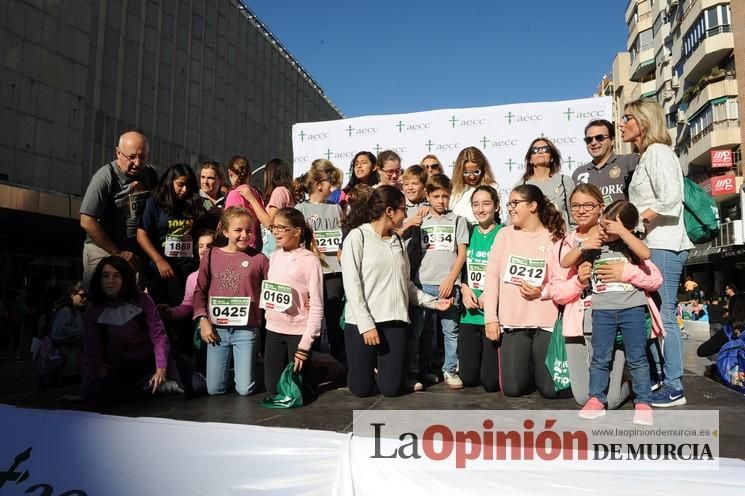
(721, 159)
(723, 185)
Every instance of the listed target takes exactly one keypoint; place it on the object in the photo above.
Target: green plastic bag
(289, 390)
(556, 358)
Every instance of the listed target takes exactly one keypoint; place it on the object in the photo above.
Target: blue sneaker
(668, 396)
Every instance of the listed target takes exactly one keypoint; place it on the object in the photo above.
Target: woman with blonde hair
(432, 164)
(658, 195)
(471, 170)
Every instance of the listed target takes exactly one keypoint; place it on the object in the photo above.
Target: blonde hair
(232, 213)
(334, 173)
(651, 120)
(470, 154)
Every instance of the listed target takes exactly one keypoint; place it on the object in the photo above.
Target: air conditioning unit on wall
(681, 118)
(675, 81)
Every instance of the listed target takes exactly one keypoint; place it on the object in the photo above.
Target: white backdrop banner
(502, 132)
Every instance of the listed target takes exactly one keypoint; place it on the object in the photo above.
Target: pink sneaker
(592, 409)
(642, 414)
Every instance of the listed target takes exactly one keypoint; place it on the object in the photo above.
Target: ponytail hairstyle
(304, 184)
(382, 198)
(276, 173)
(333, 173)
(357, 199)
(547, 213)
(295, 218)
(241, 167)
(628, 214)
(495, 198)
(736, 311)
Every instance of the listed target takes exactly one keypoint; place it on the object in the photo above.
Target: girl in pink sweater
(292, 296)
(516, 274)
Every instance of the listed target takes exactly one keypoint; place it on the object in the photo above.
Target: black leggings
(278, 352)
(478, 358)
(333, 291)
(389, 358)
(522, 357)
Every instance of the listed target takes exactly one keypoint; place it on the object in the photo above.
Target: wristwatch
(580, 248)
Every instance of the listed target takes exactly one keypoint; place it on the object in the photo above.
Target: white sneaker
(452, 380)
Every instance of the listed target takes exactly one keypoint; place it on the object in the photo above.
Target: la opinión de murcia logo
(14, 474)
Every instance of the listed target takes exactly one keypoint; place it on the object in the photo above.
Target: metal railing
(724, 123)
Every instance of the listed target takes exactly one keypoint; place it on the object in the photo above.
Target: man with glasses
(113, 204)
(611, 173)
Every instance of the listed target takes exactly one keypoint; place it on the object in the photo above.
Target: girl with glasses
(325, 221)
(543, 169)
(471, 170)
(389, 169)
(67, 331)
(516, 309)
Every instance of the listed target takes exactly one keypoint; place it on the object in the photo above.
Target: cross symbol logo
(400, 126)
(484, 142)
(569, 113)
(377, 149)
(349, 130)
(429, 145)
(509, 164)
(11, 475)
(328, 154)
(453, 120)
(302, 135)
(569, 162)
(509, 117)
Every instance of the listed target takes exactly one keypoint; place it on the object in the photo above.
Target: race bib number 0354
(530, 270)
(438, 238)
(328, 241)
(229, 311)
(275, 296)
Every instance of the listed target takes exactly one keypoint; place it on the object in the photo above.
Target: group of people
(409, 275)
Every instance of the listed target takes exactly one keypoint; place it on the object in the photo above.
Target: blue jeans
(671, 265)
(243, 343)
(449, 320)
(632, 324)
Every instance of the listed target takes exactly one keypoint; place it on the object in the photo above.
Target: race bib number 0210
(438, 238)
(275, 296)
(179, 246)
(530, 270)
(328, 241)
(229, 311)
(476, 275)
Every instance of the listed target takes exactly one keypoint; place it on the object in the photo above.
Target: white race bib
(328, 241)
(179, 246)
(476, 275)
(438, 237)
(275, 296)
(530, 270)
(601, 287)
(229, 311)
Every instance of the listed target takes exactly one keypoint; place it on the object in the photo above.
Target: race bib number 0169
(530, 270)
(438, 238)
(179, 246)
(275, 296)
(476, 275)
(229, 311)
(328, 241)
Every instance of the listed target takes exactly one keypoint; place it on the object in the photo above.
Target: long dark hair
(192, 207)
(547, 213)
(357, 199)
(374, 176)
(66, 299)
(628, 214)
(276, 173)
(384, 197)
(555, 164)
(129, 280)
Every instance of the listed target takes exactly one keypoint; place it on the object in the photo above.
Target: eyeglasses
(131, 158)
(432, 166)
(576, 207)
(473, 173)
(598, 137)
(626, 118)
(324, 180)
(540, 149)
(392, 172)
(514, 203)
(280, 228)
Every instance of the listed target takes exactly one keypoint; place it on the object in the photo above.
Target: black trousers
(478, 358)
(389, 357)
(523, 363)
(333, 292)
(279, 350)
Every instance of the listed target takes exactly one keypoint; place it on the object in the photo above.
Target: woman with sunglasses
(515, 308)
(658, 195)
(543, 169)
(471, 170)
(431, 164)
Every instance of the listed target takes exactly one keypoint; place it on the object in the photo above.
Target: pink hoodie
(565, 289)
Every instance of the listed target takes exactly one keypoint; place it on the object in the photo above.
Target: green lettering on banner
(484, 142)
(329, 154)
(429, 145)
(509, 116)
(529, 262)
(302, 135)
(453, 120)
(509, 164)
(569, 113)
(569, 162)
(349, 130)
(400, 126)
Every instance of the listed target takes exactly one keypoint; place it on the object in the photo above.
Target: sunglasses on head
(598, 137)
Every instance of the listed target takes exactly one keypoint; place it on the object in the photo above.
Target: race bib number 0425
(229, 311)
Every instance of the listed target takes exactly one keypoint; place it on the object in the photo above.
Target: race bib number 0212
(229, 311)
(530, 270)
(328, 241)
(275, 296)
